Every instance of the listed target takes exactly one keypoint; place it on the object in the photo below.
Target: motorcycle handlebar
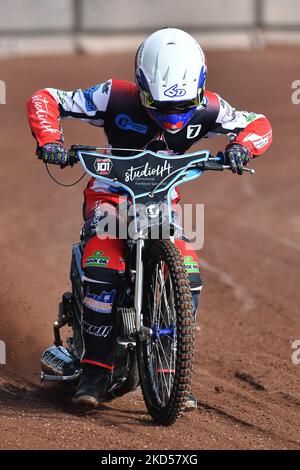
(214, 163)
(73, 157)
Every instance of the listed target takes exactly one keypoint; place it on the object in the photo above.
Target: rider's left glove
(237, 156)
(54, 153)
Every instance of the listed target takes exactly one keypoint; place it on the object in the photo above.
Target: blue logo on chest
(124, 122)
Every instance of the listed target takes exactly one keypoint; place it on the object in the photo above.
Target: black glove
(237, 156)
(54, 153)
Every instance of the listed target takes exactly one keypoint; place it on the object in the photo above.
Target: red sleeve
(43, 116)
(257, 136)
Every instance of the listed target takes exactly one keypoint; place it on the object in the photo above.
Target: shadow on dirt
(51, 400)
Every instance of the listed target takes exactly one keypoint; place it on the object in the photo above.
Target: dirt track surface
(247, 387)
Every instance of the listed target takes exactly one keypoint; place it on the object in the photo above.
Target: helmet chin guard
(171, 122)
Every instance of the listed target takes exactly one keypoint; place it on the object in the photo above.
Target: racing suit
(116, 106)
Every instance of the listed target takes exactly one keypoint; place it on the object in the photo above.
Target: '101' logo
(103, 166)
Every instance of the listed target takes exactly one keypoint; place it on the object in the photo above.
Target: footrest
(60, 378)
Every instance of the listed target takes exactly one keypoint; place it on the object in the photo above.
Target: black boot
(92, 386)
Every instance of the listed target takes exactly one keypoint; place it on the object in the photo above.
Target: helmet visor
(173, 107)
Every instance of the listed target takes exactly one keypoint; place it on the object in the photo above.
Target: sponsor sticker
(98, 259)
(124, 122)
(153, 210)
(88, 98)
(249, 116)
(62, 96)
(174, 92)
(100, 303)
(146, 171)
(191, 265)
(100, 331)
(103, 166)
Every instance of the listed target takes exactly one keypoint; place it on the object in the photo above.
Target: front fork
(139, 277)
(142, 331)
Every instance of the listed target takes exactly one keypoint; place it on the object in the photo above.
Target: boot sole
(85, 400)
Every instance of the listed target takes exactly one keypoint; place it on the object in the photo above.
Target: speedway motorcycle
(156, 332)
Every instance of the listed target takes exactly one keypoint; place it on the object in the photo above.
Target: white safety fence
(65, 26)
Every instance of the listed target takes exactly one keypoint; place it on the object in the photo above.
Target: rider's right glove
(54, 153)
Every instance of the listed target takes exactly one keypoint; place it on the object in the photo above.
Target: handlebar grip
(76, 147)
(72, 159)
(215, 166)
(209, 165)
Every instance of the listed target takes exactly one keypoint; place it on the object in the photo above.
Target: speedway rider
(167, 108)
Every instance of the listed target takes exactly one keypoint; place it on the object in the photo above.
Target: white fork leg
(138, 297)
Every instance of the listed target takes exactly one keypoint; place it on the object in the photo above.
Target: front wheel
(166, 354)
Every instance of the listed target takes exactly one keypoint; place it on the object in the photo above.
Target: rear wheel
(165, 355)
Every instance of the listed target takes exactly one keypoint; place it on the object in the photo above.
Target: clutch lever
(248, 170)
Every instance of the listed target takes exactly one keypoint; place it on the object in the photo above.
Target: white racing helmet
(170, 72)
